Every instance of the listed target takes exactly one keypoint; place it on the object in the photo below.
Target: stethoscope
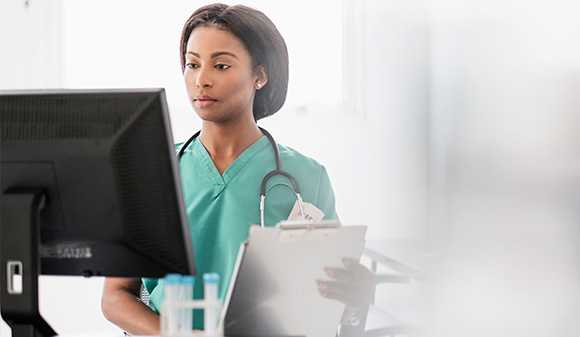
(263, 190)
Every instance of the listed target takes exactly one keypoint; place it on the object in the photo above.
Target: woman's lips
(204, 101)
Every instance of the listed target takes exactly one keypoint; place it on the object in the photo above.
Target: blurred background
(451, 120)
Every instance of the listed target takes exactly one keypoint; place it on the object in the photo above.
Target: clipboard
(273, 290)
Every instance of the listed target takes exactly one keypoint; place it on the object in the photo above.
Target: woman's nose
(203, 80)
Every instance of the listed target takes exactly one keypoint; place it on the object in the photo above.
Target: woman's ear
(262, 77)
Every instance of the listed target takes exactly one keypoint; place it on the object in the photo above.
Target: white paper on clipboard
(275, 292)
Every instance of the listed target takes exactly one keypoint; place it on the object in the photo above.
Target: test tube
(210, 290)
(172, 297)
(187, 314)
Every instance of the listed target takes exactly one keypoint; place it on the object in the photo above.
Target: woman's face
(219, 76)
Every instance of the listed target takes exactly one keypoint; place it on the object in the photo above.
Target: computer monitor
(89, 186)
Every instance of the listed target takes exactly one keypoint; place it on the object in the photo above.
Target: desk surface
(411, 257)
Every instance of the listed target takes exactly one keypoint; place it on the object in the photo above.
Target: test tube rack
(172, 309)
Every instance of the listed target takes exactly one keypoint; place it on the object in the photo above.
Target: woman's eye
(222, 66)
(191, 65)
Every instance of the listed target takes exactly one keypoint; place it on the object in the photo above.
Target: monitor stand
(20, 262)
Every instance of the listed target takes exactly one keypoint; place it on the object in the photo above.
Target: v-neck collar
(218, 180)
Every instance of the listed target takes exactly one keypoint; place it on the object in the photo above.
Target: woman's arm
(122, 306)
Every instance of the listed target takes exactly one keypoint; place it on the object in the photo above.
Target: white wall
(505, 165)
(30, 41)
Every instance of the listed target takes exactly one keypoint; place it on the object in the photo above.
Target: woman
(235, 67)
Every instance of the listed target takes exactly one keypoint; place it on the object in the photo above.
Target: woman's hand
(353, 285)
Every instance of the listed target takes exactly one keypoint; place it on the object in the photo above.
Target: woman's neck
(226, 142)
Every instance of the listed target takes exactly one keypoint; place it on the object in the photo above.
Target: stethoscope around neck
(277, 171)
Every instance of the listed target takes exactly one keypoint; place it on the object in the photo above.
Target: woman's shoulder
(292, 158)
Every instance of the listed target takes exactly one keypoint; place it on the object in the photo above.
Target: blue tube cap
(211, 278)
(188, 279)
(172, 279)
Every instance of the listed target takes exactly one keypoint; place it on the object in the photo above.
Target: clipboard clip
(301, 231)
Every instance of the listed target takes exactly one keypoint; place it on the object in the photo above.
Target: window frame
(353, 70)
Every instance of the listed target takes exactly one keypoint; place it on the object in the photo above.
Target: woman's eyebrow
(216, 54)
(220, 53)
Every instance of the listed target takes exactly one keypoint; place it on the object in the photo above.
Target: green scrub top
(221, 208)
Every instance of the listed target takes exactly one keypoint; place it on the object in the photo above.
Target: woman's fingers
(353, 285)
(354, 272)
(353, 294)
(341, 274)
(342, 292)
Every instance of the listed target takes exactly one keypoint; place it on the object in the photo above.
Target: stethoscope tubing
(277, 171)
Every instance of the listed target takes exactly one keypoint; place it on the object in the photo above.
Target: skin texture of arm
(121, 305)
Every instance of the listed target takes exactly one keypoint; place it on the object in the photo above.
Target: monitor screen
(105, 161)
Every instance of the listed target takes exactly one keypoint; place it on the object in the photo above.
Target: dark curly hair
(262, 40)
